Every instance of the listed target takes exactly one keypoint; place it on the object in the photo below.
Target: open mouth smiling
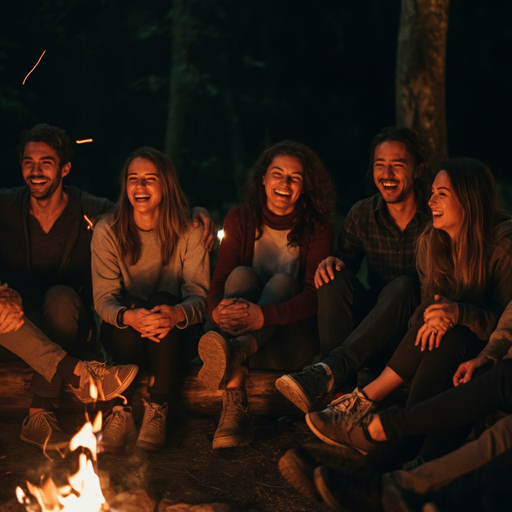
(282, 193)
(142, 197)
(389, 184)
(38, 181)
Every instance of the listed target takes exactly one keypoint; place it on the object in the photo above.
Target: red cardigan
(237, 248)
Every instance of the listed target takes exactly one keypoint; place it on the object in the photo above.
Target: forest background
(214, 82)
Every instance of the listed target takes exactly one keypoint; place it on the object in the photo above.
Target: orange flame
(83, 141)
(30, 72)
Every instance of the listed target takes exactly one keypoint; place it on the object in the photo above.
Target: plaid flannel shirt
(370, 231)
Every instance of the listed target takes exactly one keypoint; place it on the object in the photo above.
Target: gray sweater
(186, 276)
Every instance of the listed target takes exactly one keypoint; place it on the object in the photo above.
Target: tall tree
(420, 72)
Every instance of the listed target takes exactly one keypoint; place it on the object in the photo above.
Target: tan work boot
(221, 357)
(235, 423)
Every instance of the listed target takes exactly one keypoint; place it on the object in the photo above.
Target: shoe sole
(128, 380)
(291, 390)
(325, 493)
(299, 474)
(150, 447)
(231, 441)
(214, 352)
(328, 440)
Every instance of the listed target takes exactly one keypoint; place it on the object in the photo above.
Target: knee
(403, 288)
(61, 299)
(283, 281)
(343, 283)
(241, 280)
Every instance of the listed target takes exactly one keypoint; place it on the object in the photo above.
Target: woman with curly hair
(262, 296)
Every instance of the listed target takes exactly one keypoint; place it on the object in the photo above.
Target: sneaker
(118, 428)
(355, 404)
(342, 490)
(340, 430)
(298, 465)
(153, 434)
(221, 357)
(110, 381)
(42, 430)
(304, 388)
(235, 426)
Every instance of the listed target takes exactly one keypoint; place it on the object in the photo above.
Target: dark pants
(454, 407)
(280, 347)
(486, 489)
(430, 373)
(358, 328)
(64, 319)
(162, 360)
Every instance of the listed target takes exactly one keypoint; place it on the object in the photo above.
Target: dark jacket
(75, 267)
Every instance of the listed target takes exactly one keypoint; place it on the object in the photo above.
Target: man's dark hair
(416, 148)
(55, 137)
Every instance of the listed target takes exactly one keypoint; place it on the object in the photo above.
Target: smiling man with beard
(358, 326)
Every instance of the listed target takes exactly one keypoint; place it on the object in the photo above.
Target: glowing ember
(30, 72)
(90, 225)
(83, 493)
(220, 234)
(83, 141)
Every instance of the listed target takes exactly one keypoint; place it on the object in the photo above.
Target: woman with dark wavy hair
(262, 296)
(464, 261)
(150, 279)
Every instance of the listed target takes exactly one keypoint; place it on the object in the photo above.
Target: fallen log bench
(260, 385)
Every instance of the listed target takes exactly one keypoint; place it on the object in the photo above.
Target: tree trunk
(178, 80)
(420, 72)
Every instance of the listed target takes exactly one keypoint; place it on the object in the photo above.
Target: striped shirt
(370, 231)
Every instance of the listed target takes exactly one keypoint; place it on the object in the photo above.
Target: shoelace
(115, 421)
(232, 409)
(317, 375)
(156, 419)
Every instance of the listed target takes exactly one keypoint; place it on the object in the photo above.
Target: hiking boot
(343, 490)
(153, 435)
(235, 423)
(220, 357)
(304, 388)
(118, 428)
(42, 430)
(298, 465)
(340, 430)
(110, 381)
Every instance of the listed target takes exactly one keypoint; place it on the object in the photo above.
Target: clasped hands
(155, 323)
(439, 318)
(238, 316)
(11, 311)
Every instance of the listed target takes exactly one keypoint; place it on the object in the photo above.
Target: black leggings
(162, 360)
(430, 373)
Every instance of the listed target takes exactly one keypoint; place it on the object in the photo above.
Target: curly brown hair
(315, 206)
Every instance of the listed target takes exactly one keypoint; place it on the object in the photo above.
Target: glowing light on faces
(30, 72)
(446, 209)
(283, 183)
(394, 171)
(83, 141)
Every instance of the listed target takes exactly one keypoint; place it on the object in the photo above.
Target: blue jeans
(280, 347)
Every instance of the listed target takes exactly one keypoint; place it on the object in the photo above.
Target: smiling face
(394, 171)
(283, 183)
(40, 167)
(446, 209)
(143, 188)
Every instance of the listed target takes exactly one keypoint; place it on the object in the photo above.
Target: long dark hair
(173, 219)
(315, 205)
(458, 268)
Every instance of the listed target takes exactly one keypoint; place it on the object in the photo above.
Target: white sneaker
(118, 428)
(153, 435)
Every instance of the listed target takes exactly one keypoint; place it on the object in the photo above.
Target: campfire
(82, 493)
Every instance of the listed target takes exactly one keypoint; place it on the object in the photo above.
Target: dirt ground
(186, 471)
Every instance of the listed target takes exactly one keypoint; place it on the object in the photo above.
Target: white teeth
(281, 193)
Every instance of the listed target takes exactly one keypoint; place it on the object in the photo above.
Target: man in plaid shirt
(360, 326)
